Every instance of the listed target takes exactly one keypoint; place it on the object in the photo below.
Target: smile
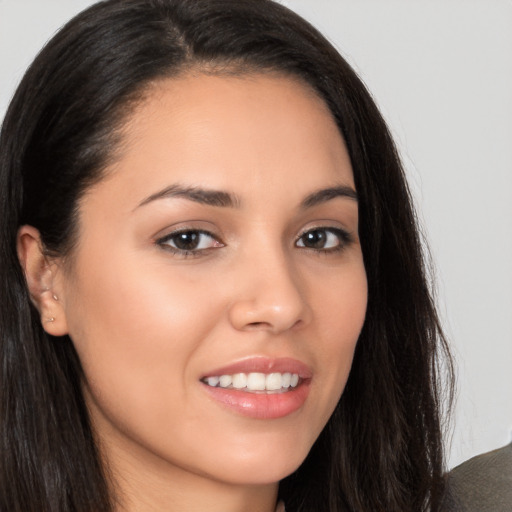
(260, 387)
(255, 382)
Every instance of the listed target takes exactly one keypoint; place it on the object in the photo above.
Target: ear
(40, 274)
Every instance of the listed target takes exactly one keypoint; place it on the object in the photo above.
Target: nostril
(256, 325)
(269, 326)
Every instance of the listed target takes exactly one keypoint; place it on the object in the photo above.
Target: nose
(270, 296)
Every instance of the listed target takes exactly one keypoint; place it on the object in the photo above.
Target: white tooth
(273, 381)
(294, 380)
(256, 381)
(286, 380)
(212, 381)
(239, 380)
(225, 381)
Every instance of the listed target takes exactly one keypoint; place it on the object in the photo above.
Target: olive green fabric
(481, 484)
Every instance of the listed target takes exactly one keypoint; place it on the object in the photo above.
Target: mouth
(255, 382)
(260, 388)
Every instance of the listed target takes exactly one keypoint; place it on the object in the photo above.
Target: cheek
(136, 330)
(340, 313)
(121, 302)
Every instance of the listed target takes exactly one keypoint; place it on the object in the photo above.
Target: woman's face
(221, 251)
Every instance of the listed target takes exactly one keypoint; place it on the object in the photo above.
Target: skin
(148, 322)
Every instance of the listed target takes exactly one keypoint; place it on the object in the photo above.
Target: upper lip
(264, 365)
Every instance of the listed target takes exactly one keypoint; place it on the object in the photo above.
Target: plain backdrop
(441, 72)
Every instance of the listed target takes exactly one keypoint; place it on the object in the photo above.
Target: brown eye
(315, 239)
(323, 239)
(189, 241)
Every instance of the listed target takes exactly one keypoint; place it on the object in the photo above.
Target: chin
(270, 467)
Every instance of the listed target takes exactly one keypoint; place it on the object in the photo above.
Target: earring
(55, 297)
(49, 320)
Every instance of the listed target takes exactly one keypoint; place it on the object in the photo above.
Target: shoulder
(481, 484)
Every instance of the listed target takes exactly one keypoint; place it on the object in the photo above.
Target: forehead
(229, 132)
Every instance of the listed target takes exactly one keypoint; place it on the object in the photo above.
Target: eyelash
(344, 239)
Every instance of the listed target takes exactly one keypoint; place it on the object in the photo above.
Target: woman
(212, 281)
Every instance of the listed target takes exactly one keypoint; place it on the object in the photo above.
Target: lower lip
(264, 406)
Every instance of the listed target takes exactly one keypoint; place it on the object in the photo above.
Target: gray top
(481, 484)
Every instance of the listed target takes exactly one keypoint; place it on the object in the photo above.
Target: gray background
(441, 72)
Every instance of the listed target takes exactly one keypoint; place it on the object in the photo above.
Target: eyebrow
(326, 194)
(196, 194)
(224, 199)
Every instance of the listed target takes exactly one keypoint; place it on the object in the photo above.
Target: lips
(260, 388)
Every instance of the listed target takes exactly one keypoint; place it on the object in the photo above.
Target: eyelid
(327, 226)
